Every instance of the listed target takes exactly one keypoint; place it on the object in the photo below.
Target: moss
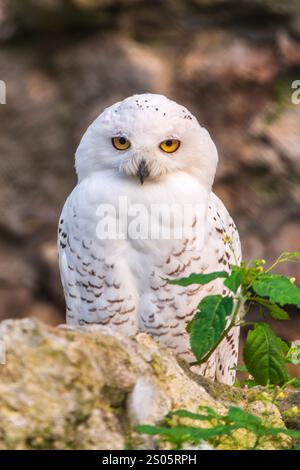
(44, 440)
(158, 367)
(290, 409)
(115, 396)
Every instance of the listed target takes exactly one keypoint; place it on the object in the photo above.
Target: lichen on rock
(87, 388)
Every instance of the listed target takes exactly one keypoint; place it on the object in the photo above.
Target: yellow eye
(120, 143)
(170, 145)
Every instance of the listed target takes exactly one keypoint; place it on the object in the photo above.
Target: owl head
(145, 138)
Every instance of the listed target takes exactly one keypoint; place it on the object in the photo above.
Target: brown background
(231, 62)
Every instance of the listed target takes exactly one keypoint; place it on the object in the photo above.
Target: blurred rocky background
(232, 62)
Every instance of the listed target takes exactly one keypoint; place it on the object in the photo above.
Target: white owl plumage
(120, 281)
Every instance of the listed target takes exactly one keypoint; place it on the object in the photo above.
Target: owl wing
(97, 290)
(172, 306)
(224, 241)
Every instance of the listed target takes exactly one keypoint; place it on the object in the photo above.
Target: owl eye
(169, 145)
(120, 143)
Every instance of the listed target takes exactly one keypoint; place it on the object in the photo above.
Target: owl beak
(143, 171)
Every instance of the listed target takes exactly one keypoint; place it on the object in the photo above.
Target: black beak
(143, 171)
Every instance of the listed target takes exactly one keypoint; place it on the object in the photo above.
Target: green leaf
(279, 289)
(276, 312)
(243, 419)
(252, 423)
(283, 346)
(275, 431)
(236, 383)
(235, 279)
(211, 413)
(198, 278)
(208, 324)
(263, 356)
(236, 418)
(250, 383)
(187, 433)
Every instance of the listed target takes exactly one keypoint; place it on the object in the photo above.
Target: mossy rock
(88, 388)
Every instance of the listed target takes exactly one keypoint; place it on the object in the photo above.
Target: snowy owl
(141, 155)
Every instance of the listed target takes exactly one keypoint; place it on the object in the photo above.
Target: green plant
(219, 426)
(265, 354)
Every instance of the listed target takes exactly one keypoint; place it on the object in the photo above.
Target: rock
(227, 194)
(286, 239)
(262, 156)
(45, 312)
(282, 131)
(290, 408)
(231, 62)
(14, 300)
(221, 56)
(59, 15)
(288, 9)
(289, 49)
(87, 388)
(50, 279)
(252, 247)
(7, 26)
(259, 8)
(17, 281)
